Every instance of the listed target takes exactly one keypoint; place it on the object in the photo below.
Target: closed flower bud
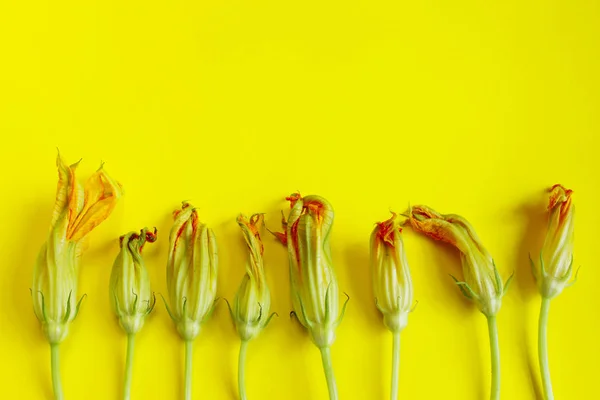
(191, 272)
(482, 281)
(77, 210)
(252, 302)
(314, 285)
(555, 268)
(130, 294)
(392, 284)
(250, 312)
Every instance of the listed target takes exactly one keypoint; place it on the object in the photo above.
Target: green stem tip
(543, 349)
(55, 368)
(189, 352)
(328, 368)
(395, 365)
(128, 367)
(495, 355)
(242, 370)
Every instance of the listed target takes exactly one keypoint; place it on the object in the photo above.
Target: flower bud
(130, 294)
(392, 284)
(555, 268)
(482, 282)
(191, 272)
(252, 301)
(314, 286)
(77, 211)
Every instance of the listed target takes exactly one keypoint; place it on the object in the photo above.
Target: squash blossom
(392, 285)
(191, 279)
(77, 210)
(555, 269)
(482, 282)
(314, 286)
(250, 312)
(130, 294)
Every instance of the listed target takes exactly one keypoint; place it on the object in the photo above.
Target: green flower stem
(242, 370)
(495, 353)
(128, 367)
(55, 364)
(189, 350)
(326, 358)
(395, 365)
(543, 349)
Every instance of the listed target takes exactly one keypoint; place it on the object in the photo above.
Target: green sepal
(507, 283)
(152, 304)
(498, 279)
(68, 312)
(269, 319)
(465, 289)
(168, 309)
(211, 311)
(79, 305)
(339, 320)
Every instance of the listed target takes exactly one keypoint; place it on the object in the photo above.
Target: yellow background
(470, 107)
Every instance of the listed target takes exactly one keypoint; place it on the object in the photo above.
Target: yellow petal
(101, 193)
(68, 190)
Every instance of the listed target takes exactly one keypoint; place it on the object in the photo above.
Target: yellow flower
(191, 272)
(392, 284)
(482, 282)
(556, 258)
(130, 293)
(77, 211)
(252, 302)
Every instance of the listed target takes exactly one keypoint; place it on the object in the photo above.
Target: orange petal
(101, 193)
(386, 230)
(280, 236)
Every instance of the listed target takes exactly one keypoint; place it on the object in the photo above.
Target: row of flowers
(193, 264)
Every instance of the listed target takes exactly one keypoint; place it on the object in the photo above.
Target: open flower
(130, 293)
(392, 284)
(314, 286)
(77, 210)
(555, 268)
(482, 282)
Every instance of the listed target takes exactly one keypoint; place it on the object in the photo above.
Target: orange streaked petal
(560, 197)
(101, 193)
(386, 230)
(64, 191)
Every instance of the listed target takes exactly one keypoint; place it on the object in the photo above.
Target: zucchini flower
(191, 279)
(130, 294)
(314, 286)
(555, 268)
(77, 210)
(392, 284)
(482, 282)
(252, 302)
